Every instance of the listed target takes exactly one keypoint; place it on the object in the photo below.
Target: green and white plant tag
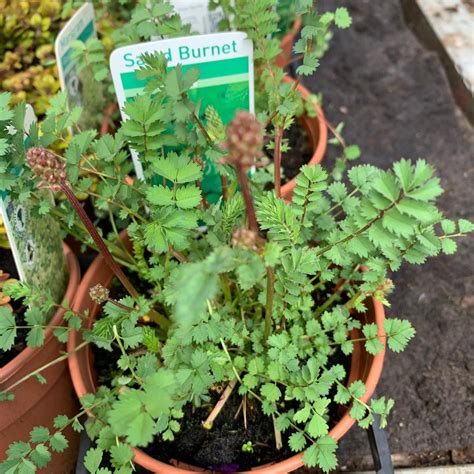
(197, 14)
(226, 80)
(80, 27)
(35, 241)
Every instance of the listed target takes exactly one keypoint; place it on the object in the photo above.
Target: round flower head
(47, 166)
(244, 238)
(244, 139)
(99, 294)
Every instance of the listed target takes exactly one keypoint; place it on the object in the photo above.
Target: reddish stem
(113, 265)
(244, 187)
(277, 160)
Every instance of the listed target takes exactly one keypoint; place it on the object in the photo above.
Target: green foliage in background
(253, 294)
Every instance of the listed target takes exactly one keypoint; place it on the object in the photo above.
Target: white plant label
(80, 27)
(35, 242)
(226, 78)
(197, 14)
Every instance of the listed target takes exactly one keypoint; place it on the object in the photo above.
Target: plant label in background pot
(225, 82)
(34, 240)
(81, 27)
(197, 14)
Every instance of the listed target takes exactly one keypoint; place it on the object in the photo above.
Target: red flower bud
(47, 166)
(244, 139)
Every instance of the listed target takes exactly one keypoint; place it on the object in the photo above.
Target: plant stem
(277, 432)
(207, 424)
(109, 260)
(124, 354)
(44, 367)
(236, 372)
(121, 306)
(98, 240)
(177, 255)
(269, 304)
(360, 231)
(225, 284)
(277, 159)
(225, 188)
(335, 295)
(244, 187)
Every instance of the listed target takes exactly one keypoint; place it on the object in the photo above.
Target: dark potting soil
(7, 264)
(299, 154)
(220, 448)
(395, 100)
(20, 340)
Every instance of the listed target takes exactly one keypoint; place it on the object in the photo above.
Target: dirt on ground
(395, 100)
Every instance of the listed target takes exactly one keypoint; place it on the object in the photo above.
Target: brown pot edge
(318, 131)
(28, 353)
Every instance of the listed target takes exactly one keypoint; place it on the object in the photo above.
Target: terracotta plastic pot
(37, 404)
(286, 45)
(317, 131)
(364, 367)
(107, 125)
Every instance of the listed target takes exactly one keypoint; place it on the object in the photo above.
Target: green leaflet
(7, 329)
(399, 332)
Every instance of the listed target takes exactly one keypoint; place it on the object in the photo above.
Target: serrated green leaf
(92, 459)
(271, 392)
(372, 343)
(322, 454)
(7, 329)
(352, 152)
(428, 191)
(35, 337)
(342, 395)
(357, 389)
(357, 411)
(188, 197)
(318, 426)
(40, 455)
(449, 246)
(39, 434)
(399, 332)
(121, 454)
(303, 414)
(465, 226)
(59, 442)
(297, 441)
(342, 18)
(404, 171)
(398, 223)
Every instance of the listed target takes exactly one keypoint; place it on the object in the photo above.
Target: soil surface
(7, 265)
(395, 100)
(299, 153)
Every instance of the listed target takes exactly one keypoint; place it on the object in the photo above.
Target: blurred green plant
(27, 33)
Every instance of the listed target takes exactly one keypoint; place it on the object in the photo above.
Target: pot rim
(321, 136)
(28, 353)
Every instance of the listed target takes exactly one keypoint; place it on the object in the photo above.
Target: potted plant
(292, 16)
(34, 378)
(308, 133)
(225, 336)
(33, 373)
